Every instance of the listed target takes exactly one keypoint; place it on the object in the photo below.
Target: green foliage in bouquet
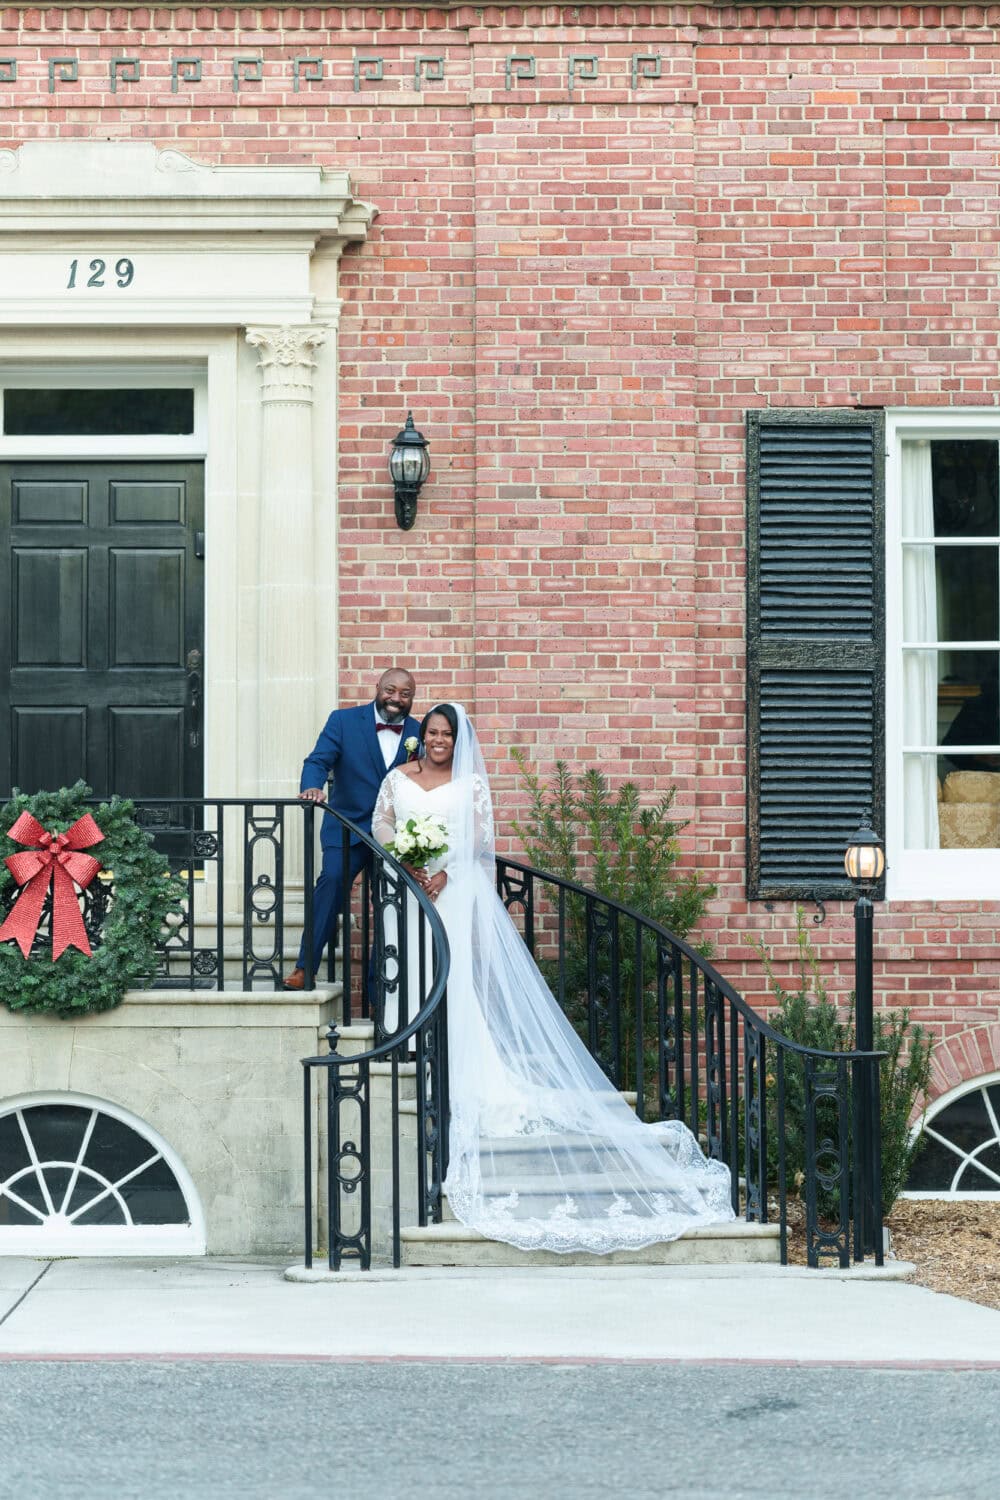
(808, 1016)
(575, 827)
(142, 896)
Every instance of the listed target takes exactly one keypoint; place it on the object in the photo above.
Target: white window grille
(79, 1176)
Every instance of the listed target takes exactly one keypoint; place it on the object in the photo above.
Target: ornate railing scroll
(665, 1025)
(238, 907)
(403, 989)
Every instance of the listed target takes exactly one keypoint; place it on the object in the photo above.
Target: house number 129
(124, 270)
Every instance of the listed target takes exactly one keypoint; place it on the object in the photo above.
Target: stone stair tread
(600, 1185)
(451, 1229)
(740, 1246)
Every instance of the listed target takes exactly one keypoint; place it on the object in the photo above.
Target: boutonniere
(411, 746)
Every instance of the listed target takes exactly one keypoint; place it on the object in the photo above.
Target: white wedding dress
(544, 1153)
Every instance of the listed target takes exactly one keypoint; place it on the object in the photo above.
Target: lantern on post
(864, 862)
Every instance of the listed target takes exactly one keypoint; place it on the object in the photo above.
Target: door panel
(49, 590)
(104, 604)
(146, 504)
(40, 502)
(147, 608)
(147, 749)
(50, 746)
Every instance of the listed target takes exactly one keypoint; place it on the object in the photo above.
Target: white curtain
(920, 668)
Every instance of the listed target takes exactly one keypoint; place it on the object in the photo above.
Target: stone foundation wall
(218, 1077)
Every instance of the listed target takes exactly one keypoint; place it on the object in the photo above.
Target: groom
(358, 747)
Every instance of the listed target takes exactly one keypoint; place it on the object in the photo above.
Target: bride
(544, 1153)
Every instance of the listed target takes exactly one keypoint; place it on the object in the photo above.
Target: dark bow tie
(392, 728)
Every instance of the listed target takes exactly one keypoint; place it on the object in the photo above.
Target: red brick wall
(580, 291)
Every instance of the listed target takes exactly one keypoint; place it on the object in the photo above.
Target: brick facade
(603, 233)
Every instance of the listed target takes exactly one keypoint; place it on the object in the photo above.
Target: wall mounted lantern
(409, 465)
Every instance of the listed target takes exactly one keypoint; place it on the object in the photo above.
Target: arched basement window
(959, 1154)
(79, 1176)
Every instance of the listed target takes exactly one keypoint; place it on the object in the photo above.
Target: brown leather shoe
(296, 980)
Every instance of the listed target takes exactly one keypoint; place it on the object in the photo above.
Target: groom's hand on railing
(312, 794)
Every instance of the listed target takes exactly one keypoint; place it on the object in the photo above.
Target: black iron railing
(402, 993)
(664, 1024)
(243, 911)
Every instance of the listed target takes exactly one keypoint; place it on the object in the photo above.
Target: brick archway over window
(963, 1058)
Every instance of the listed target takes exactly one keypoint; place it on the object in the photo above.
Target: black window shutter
(815, 645)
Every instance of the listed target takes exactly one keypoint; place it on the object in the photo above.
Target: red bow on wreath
(56, 862)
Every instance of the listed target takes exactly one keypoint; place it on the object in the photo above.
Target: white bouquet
(419, 841)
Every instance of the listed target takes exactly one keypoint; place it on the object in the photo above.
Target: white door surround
(116, 253)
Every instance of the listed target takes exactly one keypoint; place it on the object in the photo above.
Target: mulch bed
(955, 1247)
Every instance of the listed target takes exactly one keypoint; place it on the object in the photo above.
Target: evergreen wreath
(140, 899)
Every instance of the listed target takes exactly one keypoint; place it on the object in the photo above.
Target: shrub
(577, 829)
(807, 1015)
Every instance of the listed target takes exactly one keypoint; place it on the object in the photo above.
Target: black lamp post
(865, 865)
(409, 465)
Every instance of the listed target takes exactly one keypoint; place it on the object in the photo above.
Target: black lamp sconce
(409, 465)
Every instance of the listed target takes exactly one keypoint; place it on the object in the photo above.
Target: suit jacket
(348, 750)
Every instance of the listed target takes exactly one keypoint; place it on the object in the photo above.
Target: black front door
(101, 630)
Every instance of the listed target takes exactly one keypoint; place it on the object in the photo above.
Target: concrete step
(452, 1244)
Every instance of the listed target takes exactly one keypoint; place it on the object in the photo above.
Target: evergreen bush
(578, 829)
(807, 1015)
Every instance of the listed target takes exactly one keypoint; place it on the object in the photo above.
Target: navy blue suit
(348, 750)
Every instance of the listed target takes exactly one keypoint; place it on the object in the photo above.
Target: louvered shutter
(815, 645)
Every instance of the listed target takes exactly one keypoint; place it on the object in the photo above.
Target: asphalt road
(440, 1431)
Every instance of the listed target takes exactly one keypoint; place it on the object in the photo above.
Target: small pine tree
(577, 829)
(807, 1015)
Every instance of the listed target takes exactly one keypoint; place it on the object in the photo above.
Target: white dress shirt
(388, 743)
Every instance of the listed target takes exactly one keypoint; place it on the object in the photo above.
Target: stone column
(286, 556)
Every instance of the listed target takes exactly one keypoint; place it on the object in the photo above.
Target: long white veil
(544, 1152)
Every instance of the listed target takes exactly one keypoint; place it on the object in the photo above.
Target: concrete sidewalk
(111, 1308)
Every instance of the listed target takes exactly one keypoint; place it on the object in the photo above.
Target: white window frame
(110, 374)
(922, 874)
(970, 1086)
(55, 1238)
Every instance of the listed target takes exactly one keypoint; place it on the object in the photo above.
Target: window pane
(115, 1149)
(56, 1130)
(964, 478)
(968, 595)
(154, 1197)
(97, 413)
(969, 702)
(969, 810)
(107, 1211)
(921, 800)
(933, 1168)
(13, 1151)
(965, 1122)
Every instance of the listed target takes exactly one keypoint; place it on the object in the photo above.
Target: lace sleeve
(384, 816)
(482, 807)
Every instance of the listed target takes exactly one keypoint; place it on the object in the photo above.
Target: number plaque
(96, 273)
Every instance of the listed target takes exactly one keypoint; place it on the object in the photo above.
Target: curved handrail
(709, 970)
(439, 943)
(737, 1087)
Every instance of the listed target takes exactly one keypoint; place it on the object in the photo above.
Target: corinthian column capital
(286, 364)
